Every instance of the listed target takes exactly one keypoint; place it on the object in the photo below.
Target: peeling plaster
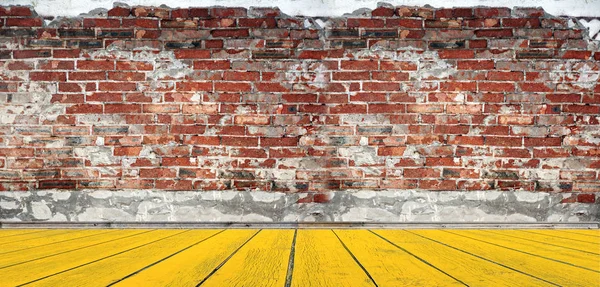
(257, 206)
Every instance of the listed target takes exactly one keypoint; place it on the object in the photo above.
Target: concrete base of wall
(252, 206)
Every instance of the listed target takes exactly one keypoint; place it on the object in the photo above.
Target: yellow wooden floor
(287, 257)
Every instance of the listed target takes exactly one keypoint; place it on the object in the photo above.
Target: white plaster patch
(368, 214)
(97, 155)
(101, 194)
(60, 195)
(104, 214)
(9, 205)
(266, 196)
(364, 194)
(362, 155)
(219, 195)
(530, 196)
(40, 210)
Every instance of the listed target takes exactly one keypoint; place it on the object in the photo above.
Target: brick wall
(229, 98)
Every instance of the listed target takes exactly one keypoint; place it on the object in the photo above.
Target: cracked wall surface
(484, 105)
(258, 206)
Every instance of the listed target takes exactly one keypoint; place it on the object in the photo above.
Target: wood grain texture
(247, 257)
(567, 236)
(77, 246)
(60, 238)
(546, 239)
(389, 265)
(261, 262)
(15, 232)
(321, 260)
(577, 258)
(471, 270)
(588, 233)
(31, 236)
(552, 271)
(190, 267)
(30, 271)
(104, 272)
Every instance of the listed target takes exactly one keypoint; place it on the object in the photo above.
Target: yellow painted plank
(104, 272)
(79, 245)
(557, 273)
(190, 267)
(471, 270)
(23, 273)
(582, 259)
(263, 261)
(31, 236)
(577, 245)
(588, 233)
(13, 232)
(569, 236)
(321, 260)
(389, 265)
(49, 240)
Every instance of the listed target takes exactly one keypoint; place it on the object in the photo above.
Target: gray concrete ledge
(387, 206)
(296, 225)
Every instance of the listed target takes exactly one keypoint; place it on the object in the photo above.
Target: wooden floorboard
(469, 269)
(551, 271)
(290, 257)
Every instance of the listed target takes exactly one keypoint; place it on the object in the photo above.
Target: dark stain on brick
(270, 55)
(17, 33)
(535, 54)
(183, 45)
(380, 33)
(76, 33)
(450, 173)
(111, 130)
(115, 34)
(45, 43)
(41, 173)
(59, 184)
(447, 45)
(337, 33)
(349, 44)
(85, 44)
(501, 175)
(375, 130)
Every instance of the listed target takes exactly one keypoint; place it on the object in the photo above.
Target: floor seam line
(542, 242)
(417, 257)
(524, 252)
(72, 250)
(355, 259)
(165, 258)
(290, 270)
(108, 231)
(566, 238)
(97, 260)
(227, 259)
(488, 260)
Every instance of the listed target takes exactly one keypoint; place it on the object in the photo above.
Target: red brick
(456, 54)
(119, 12)
(85, 109)
(475, 65)
(24, 22)
(227, 12)
(192, 54)
(492, 12)
(48, 76)
(212, 65)
(365, 23)
(239, 141)
(586, 198)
